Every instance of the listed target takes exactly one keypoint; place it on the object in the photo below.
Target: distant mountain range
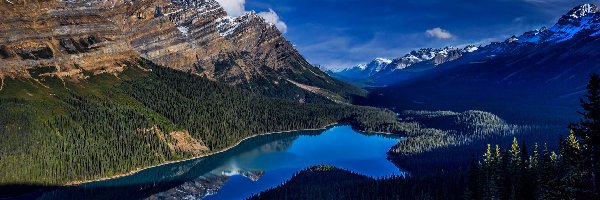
(544, 67)
(581, 23)
(416, 61)
(361, 71)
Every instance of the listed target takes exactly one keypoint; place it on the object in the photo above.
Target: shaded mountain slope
(543, 76)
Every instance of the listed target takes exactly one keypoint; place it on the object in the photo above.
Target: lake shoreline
(75, 183)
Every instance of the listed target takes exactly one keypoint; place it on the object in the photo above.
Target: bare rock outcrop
(189, 35)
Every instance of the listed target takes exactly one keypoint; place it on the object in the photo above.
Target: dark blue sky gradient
(341, 33)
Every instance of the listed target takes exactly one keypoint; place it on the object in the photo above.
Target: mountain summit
(581, 11)
(195, 36)
(416, 61)
(540, 71)
(362, 71)
(579, 26)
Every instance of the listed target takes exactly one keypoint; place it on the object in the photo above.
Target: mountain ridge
(539, 73)
(195, 36)
(581, 21)
(416, 61)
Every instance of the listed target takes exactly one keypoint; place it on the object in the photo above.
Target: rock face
(189, 35)
(50, 33)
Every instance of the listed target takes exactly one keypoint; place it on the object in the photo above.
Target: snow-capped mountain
(581, 21)
(362, 71)
(539, 69)
(581, 24)
(415, 61)
(429, 57)
(419, 61)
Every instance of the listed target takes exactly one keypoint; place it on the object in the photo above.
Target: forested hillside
(430, 130)
(519, 171)
(58, 130)
(570, 172)
(325, 182)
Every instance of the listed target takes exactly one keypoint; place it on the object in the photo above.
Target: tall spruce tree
(588, 129)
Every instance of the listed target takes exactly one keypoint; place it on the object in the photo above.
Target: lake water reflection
(255, 165)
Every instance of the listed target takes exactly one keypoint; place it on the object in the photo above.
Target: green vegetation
(514, 173)
(285, 82)
(429, 130)
(570, 173)
(57, 130)
(36, 72)
(326, 182)
(517, 172)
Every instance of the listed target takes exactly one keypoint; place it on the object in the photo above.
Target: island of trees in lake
(519, 171)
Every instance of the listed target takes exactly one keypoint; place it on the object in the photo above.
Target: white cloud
(439, 33)
(237, 8)
(233, 7)
(273, 18)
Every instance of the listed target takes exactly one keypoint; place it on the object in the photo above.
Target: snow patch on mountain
(184, 30)
(582, 11)
(471, 48)
(584, 17)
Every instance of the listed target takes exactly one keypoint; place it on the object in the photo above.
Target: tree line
(570, 172)
(520, 171)
(59, 130)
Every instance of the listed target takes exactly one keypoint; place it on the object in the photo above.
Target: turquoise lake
(253, 166)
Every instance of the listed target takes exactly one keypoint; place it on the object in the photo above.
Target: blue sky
(342, 33)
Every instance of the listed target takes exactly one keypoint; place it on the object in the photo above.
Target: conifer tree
(515, 152)
(588, 128)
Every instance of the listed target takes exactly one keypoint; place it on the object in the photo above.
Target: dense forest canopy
(520, 171)
(58, 130)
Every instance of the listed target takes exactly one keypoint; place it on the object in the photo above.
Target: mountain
(383, 71)
(361, 71)
(541, 72)
(195, 36)
(418, 61)
(92, 89)
(365, 70)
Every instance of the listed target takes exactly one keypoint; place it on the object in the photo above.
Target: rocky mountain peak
(583, 19)
(581, 11)
(382, 61)
(512, 39)
(577, 15)
(189, 35)
(470, 48)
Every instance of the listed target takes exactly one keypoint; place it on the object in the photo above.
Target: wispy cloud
(333, 34)
(237, 8)
(233, 7)
(272, 17)
(439, 33)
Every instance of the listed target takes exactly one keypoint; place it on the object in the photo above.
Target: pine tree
(488, 156)
(545, 174)
(515, 152)
(534, 159)
(588, 128)
(473, 190)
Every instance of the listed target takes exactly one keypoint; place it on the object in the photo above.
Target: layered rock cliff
(195, 36)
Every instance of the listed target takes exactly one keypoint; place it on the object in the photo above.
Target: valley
(257, 163)
(185, 99)
(150, 105)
